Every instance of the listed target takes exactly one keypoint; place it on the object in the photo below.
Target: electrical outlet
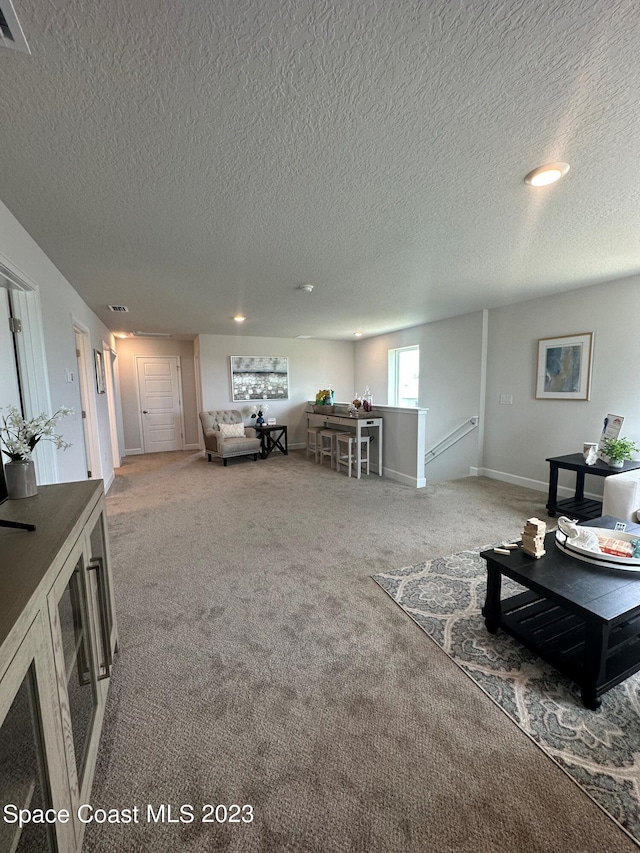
(506, 399)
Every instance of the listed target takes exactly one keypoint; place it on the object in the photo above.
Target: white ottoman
(622, 496)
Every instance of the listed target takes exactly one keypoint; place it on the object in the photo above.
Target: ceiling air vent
(11, 34)
(118, 309)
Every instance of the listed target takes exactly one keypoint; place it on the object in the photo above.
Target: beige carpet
(260, 665)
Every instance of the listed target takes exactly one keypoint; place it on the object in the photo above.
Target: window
(404, 376)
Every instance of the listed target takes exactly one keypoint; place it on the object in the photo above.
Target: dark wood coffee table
(583, 620)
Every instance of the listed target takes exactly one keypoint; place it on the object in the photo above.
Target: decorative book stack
(533, 537)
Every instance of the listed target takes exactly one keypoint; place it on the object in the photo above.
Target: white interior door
(160, 402)
(89, 416)
(9, 387)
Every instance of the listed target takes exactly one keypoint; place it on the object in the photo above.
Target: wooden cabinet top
(59, 512)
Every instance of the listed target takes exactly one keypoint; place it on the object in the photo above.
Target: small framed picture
(101, 383)
(271, 421)
(564, 367)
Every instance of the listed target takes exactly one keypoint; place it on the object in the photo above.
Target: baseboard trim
(405, 479)
(108, 482)
(192, 447)
(527, 483)
(133, 451)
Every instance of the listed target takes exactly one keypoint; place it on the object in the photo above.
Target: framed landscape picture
(259, 377)
(564, 367)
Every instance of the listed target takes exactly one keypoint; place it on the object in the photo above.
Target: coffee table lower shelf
(560, 638)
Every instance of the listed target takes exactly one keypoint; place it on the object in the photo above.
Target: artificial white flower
(18, 437)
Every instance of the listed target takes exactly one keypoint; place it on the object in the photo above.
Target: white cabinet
(58, 635)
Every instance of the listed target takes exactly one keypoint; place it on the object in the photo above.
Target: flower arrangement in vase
(18, 439)
(258, 412)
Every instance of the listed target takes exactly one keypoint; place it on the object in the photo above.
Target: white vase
(21, 479)
(616, 463)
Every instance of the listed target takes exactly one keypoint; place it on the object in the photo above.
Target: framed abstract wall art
(259, 377)
(564, 367)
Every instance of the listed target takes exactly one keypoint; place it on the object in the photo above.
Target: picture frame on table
(564, 367)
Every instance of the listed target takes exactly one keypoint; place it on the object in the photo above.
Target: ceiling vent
(11, 34)
(118, 309)
(151, 334)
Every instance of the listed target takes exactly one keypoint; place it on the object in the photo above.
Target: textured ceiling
(192, 159)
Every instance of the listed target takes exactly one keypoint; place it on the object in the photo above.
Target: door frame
(32, 361)
(110, 356)
(178, 361)
(82, 341)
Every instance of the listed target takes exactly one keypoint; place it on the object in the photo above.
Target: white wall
(451, 384)
(313, 364)
(128, 349)
(520, 437)
(61, 305)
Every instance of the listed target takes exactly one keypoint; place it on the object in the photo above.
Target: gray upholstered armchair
(225, 435)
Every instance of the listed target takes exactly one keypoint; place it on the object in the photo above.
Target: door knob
(145, 412)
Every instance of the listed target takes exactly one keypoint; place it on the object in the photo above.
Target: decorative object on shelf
(18, 438)
(611, 428)
(590, 452)
(533, 535)
(367, 400)
(255, 377)
(21, 479)
(258, 412)
(618, 450)
(355, 405)
(564, 367)
(324, 401)
(324, 397)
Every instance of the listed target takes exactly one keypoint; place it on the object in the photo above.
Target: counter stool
(346, 453)
(327, 444)
(313, 441)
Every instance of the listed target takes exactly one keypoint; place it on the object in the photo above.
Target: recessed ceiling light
(357, 334)
(548, 174)
(304, 337)
(305, 288)
(239, 318)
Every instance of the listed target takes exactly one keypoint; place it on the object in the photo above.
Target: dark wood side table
(272, 436)
(578, 506)
(582, 619)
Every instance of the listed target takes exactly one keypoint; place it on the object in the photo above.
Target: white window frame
(394, 374)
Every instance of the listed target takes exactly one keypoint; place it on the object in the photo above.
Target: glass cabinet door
(33, 763)
(23, 779)
(76, 648)
(100, 597)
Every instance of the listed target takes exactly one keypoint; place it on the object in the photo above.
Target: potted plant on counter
(618, 450)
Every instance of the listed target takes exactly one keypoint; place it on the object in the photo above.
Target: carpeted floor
(599, 750)
(260, 665)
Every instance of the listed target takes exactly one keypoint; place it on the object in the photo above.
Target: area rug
(599, 750)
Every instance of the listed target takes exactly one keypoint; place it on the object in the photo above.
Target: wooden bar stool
(327, 444)
(346, 454)
(313, 441)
